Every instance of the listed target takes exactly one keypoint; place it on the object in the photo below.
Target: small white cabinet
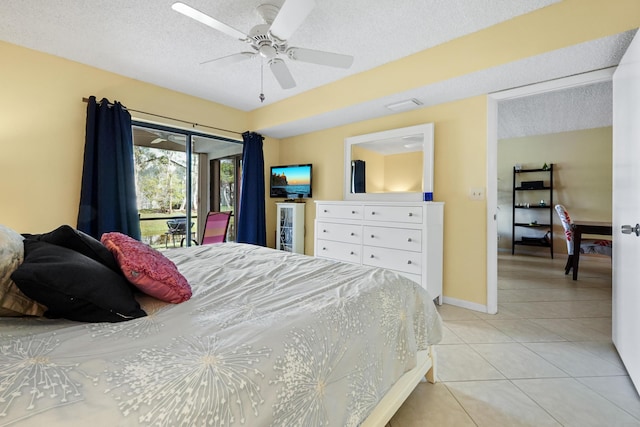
(402, 236)
(290, 227)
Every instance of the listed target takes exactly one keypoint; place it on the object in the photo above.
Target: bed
(268, 338)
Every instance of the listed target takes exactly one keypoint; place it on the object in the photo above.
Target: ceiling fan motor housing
(264, 42)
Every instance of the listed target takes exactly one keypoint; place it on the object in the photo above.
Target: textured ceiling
(148, 41)
(584, 107)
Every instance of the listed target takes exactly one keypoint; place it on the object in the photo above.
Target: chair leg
(567, 267)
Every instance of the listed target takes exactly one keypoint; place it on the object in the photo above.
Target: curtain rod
(172, 118)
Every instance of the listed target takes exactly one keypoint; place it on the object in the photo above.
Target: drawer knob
(410, 214)
(409, 239)
(372, 256)
(353, 212)
(409, 262)
(373, 213)
(324, 249)
(325, 211)
(372, 236)
(324, 231)
(351, 253)
(352, 234)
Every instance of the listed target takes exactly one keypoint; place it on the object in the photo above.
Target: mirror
(396, 164)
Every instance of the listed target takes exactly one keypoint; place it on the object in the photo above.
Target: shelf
(532, 189)
(532, 243)
(526, 216)
(532, 170)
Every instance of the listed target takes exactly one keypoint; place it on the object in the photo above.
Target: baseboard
(465, 304)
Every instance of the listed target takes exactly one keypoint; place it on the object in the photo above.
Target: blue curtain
(108, 194)
(251, 218)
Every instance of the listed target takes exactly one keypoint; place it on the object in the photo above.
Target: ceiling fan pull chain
(261, 80)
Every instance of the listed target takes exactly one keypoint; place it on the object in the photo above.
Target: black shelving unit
(527, 212)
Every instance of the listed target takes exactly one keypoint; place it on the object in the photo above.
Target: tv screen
(291, 181)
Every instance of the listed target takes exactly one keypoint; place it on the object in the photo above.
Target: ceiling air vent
(408, 104)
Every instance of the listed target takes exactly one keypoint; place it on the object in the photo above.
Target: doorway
(492, 161)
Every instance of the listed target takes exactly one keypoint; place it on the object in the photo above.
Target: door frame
(493, 99)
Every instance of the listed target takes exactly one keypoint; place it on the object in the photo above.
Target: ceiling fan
(269, 40)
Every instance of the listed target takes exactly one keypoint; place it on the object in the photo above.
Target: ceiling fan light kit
(269, 40)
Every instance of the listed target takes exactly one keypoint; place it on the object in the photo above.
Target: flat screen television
(291, 181)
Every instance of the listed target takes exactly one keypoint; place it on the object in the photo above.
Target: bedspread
(269, 338)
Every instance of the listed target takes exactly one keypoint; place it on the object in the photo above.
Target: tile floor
(546, 358)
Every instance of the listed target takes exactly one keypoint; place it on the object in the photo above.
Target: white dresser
(402, 236)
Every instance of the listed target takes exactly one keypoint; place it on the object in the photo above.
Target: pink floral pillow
(147, 269)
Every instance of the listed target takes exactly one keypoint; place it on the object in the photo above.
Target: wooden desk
(586, 227)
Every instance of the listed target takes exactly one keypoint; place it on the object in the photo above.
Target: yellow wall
(460, 163)
(403, 172)
(582, 176)
(42, 125)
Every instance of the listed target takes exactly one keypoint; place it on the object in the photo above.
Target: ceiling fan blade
(281, 73)
(319, 57)
(230, 59)
(207, 20)
(291, 15)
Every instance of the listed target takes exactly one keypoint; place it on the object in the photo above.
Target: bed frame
(425, 369)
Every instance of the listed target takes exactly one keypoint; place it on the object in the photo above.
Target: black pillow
(81, 242)
(74, 286)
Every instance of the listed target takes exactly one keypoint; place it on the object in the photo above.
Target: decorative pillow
(147, 269)
(74, 286)
(12, 301)
(81, 242)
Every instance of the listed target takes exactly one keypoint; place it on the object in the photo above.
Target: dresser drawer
(339, 251)
(393, 259)
(327, 210)
(347, 233)
(407, 239)
(407, 214)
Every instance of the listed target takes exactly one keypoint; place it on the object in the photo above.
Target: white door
(626, 210)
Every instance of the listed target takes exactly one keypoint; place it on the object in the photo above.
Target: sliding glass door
(172, 182)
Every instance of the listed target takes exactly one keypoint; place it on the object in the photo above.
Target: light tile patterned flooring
(546, 358)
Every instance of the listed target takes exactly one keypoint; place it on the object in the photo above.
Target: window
(225, 185)
(172, 181)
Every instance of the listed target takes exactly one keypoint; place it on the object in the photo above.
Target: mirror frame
(427, 163)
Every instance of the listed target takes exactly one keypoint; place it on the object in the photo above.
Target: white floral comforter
(268, 339)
